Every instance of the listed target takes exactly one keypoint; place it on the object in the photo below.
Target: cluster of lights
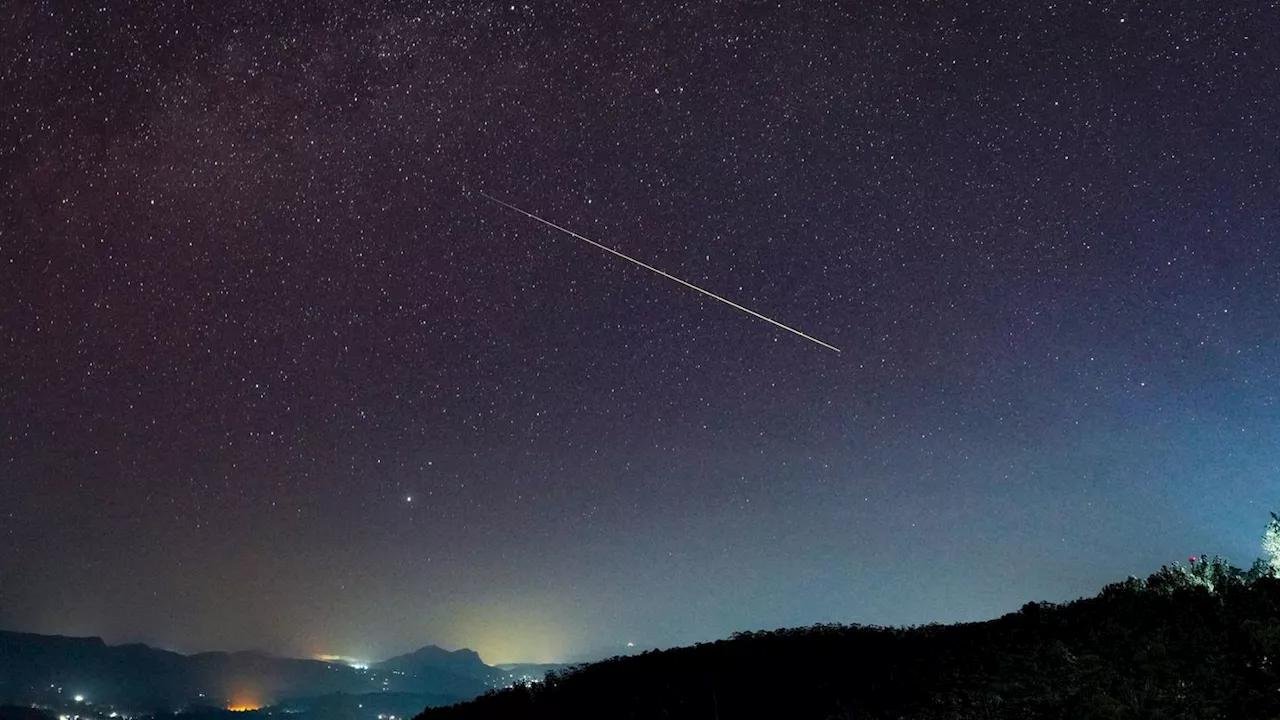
(512, 681)
(113, 714)
(91, 711)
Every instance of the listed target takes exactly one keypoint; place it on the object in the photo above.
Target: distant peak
(437, 650)
(435, 656)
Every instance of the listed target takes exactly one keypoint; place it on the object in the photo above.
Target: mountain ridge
(52, 669)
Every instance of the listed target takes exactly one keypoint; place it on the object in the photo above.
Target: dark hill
(463, 662)
(14, 712)
(436, 670)
(1174, 646)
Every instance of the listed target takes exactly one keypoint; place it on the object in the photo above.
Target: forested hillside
(1198, 641)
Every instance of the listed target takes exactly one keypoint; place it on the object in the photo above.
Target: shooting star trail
(667, 275)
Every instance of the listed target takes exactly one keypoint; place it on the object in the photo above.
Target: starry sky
(273, 375)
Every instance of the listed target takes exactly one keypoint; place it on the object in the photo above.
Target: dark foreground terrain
(1196, 642)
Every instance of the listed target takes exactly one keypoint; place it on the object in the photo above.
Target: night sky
(274, 375)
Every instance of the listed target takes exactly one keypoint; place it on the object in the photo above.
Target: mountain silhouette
(51, 670)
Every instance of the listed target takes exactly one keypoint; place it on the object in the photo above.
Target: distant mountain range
(51, 670)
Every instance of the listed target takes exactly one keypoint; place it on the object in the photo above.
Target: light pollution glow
(243, 700)
(515, 634)
(342, 660)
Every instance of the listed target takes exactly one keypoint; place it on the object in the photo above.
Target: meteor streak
(667, 275)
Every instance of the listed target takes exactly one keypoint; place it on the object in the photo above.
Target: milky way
(248, 312)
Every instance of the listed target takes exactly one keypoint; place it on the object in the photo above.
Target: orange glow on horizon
(243, 702)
